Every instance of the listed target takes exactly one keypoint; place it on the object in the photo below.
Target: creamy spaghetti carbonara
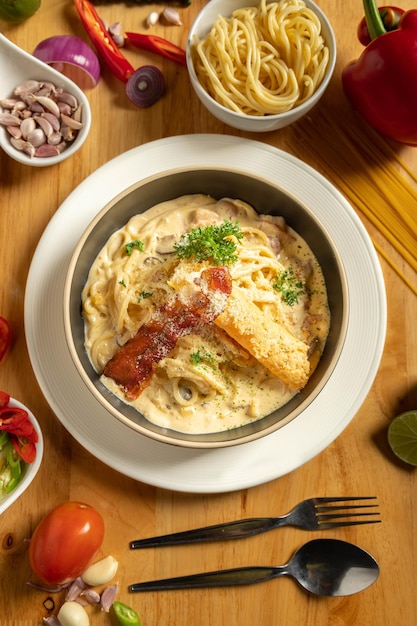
(198, 346)
(264, 59)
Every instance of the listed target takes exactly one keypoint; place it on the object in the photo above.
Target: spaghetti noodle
(263, 60)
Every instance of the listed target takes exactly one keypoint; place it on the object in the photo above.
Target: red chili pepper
(106, 48)
(156, 44)
(26, 449)
(4, 399)
(5, 336)
(11, 417)
(16, 422)
(390, 17)
(382, 83)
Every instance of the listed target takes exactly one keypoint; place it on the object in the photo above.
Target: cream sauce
(208, 383)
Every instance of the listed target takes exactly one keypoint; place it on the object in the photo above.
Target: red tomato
(65, 542)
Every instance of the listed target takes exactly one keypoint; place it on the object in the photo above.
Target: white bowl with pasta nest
(259, 67)
(129, 295)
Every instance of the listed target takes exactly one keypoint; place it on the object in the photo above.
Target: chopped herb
(212, 242)
(290, 287)
(144, 294)
(132, 245)
(201, 356)
(122, 283)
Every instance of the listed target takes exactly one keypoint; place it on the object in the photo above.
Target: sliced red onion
(145, 86)
(71, 56)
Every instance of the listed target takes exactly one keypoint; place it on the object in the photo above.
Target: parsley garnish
(289, 286)
(201, 356)
(132, 245)
(210, 242)
(122, 283)
(144, 294)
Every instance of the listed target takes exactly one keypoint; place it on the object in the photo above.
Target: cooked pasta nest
(263, 60)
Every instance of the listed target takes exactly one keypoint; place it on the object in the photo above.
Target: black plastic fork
(311, 514)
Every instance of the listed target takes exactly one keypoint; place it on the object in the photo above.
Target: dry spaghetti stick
(369, 196)
(388, 217)
(395, 267)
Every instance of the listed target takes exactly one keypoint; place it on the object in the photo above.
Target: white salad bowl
(31, 469)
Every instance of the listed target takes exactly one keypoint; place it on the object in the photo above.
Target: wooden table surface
(358, 462)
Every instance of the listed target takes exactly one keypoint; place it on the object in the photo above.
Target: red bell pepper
(390, 18)
(382, 83)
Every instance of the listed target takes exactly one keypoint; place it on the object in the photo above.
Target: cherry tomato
(65, 542)
(5, 336)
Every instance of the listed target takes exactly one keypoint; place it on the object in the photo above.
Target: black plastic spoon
(325, 567)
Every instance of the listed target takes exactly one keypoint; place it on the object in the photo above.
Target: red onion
(71, 56)
(145, 86)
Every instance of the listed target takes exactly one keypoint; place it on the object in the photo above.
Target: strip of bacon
(133, 365)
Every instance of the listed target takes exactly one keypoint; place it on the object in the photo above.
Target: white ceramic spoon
(16, 67)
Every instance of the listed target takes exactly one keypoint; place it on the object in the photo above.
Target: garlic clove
(46, 150)
(51, 620)
(91, 595)
(24, 146)
(101, 572)
(71, 122)
(108, 596)
(76, 587)
(27, 126)
(36, 137)
(172, 16)
(14, 131)
(115, 30)
(152, 19)
(73, 614)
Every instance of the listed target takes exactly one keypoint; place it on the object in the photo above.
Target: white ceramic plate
(226, 469)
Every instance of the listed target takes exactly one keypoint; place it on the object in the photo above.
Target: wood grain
(359, 462)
